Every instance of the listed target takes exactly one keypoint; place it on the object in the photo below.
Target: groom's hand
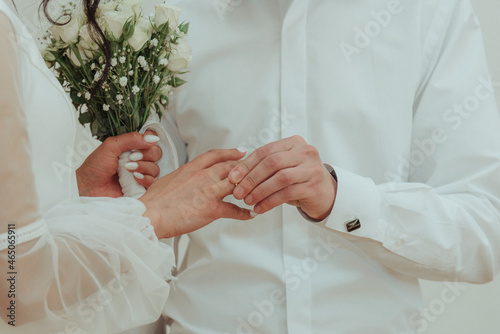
(286, 171)
(97, 176)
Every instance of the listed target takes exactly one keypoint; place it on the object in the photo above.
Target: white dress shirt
(396, 96)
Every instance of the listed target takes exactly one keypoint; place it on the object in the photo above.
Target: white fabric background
(475, 309)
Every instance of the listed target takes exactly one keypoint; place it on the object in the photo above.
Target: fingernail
(238, 192)
(253, 214)
(242, 149)
(235, 176)
(249, 200)
(151, 138)
(136, 156)
(131, 165)
(138, 176)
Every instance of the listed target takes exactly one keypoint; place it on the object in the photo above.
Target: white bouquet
(148, 56)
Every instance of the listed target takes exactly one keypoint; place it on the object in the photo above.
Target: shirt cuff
(357, 207)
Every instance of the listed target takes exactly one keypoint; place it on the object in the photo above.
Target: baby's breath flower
(114, 62)
(163, 62)
(79, 94)
(101, 60)
(156, 79)
(105, 107)
(135, 89)
(119, 97)
(97, 75)
(153, 42)
(130, 72)
(123, 59)
(163, 101)
(123, 81)
(92, 66)
(87, 95)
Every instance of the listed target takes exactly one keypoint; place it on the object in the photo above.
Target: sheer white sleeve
(85, 266)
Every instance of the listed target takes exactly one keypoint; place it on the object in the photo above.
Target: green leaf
(94, 128)
(128, 29)
(85, 118)
(184, 27)
(177, 82)
(77, 99)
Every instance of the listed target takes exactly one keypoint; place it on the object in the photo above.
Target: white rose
(114, 22)
(142, 34)
(164, 13)
(130, 7)
(106, 8)
(180, 57)
(86, 43)
(68, 32)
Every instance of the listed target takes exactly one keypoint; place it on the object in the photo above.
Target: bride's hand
(97, 176)
(191, 197)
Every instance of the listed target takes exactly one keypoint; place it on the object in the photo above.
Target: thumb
(130, 141)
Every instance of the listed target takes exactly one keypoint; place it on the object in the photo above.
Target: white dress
(79, 265)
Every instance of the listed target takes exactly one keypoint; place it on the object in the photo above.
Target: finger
(245, 166)
(144, 180)
(152, 154)
(129, 141)
(213, 157)
(288, 194)
(143, 167)
(268, 167)
(281, 180)
(222, 169)
(224, 188)
(232, 211)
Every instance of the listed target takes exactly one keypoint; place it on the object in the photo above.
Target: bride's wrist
(153, 216)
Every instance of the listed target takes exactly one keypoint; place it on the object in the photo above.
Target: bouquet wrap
(168, 162)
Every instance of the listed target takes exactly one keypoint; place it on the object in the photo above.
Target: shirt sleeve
(442, 221)
(86, 265)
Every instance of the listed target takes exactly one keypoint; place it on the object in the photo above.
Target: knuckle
(262, 152)
(298, 139)
(250, 181)
(136, 136)
(284, 178)
(156, 152)
(272, 162)
(317, 170)
(243, 166)
(311, 151)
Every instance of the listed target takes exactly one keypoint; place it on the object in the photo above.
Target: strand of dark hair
(95, 32)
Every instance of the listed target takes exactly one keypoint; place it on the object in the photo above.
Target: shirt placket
(294, 122)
